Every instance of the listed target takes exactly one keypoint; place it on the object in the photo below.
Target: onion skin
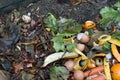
(78, 75)
(80, 46)
(83, 38)
(69, 65)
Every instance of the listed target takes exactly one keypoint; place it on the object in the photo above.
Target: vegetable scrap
(35, 47)
(103, 51)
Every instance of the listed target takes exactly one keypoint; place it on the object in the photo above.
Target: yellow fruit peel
(80, 53)
(108, 38)
(57, 56)
(107, 70)
(115, 52)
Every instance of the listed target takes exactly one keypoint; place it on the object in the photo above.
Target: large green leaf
(108, 12)
(59, 73)
(68, 25)
(60, 45)
(71, 46)
(116, 35)
(117, 4)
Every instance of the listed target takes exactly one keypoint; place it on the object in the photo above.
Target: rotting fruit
(115, 69)
(89, 25)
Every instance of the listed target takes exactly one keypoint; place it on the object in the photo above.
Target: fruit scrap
(100, 54)
(80, 53)
(80, 64)
(89, 25)
(108, 38)
(91, 63)
(115, 52)
(57, 56)
(115, 69)
(107, 70)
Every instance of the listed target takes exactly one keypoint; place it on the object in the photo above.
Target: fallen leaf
(59, 73)
(27, 76)
(17, 67)
(3, 76)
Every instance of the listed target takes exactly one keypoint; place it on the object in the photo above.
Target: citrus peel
(115, 52)
(108, 38)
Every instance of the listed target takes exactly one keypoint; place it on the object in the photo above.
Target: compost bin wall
(8, 5)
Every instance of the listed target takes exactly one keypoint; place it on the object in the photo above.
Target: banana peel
(57, 56)
(108, 38)
(80, 64)
(100, 54)
(80, 53)
(107, 70)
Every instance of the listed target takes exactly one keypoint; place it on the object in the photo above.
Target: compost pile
(57, 40)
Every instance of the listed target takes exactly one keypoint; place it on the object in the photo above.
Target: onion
(80, 46)
(82, 37)
(69, 64)
(78, 75)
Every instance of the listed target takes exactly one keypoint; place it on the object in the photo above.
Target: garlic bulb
(26, 19)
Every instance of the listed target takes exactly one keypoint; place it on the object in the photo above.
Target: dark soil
(82, 12)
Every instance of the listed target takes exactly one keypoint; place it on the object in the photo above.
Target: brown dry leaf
(3, 76)
(17, 67)
(29, 65)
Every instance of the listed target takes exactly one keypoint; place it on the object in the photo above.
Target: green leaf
(71, 46)
(27, 76)
(91, 31)
(110, 17)
(106, 46)
(117, 4)
(116, 35)
(59, 73)
(62, 28)
(68, 25)
(58, 43)
(108, 12)
(50, 21)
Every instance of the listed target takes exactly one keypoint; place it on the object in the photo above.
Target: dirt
(88, 10)
(85, 11)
